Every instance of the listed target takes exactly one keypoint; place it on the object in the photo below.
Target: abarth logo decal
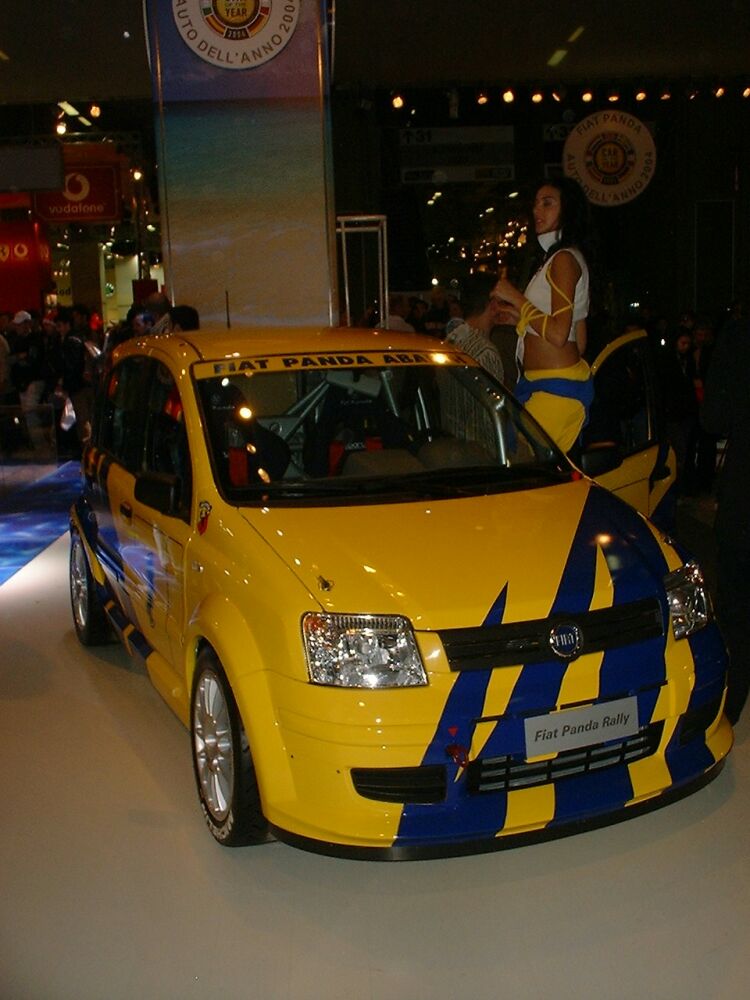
(204, 512)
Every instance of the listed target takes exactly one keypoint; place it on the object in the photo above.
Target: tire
(224, 772)
(91, 625)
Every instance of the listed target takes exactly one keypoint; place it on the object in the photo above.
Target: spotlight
(537, 97)
(746, 92)
(640, 95)
(482, 97)
(613, 96)
(719, 91)
(665, 94)
(558, 94)
(508, 96)
(61, 128)
(137, 174)
(587, 96)
(397, 101)
(94, 111)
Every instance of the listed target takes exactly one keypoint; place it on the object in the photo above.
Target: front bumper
(397, 774)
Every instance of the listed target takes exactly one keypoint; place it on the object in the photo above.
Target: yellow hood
(441, 563)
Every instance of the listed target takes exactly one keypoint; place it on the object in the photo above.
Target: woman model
(550, 315)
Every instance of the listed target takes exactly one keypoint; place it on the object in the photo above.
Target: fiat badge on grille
(566, 640)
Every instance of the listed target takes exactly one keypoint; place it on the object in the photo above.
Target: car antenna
(226, 301)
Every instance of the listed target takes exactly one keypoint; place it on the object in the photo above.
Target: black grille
(401, 784)
(491, 646)
(493, 774)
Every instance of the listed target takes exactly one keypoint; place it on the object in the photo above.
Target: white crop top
(539, 293)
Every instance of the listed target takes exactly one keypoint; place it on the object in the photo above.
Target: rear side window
(122, 416)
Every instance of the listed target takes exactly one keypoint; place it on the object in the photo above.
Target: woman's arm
(554, 327)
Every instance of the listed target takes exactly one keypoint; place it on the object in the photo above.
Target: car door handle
(126, 510)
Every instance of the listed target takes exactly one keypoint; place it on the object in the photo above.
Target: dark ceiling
(429, 42)
(94, 49)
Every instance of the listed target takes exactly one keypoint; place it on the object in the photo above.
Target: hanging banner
(224, 50)
(25, 270)
(236, 34)
(612, 156)
(91, 194)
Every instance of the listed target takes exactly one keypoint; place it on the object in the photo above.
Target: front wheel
(89, 618)
(224, 771)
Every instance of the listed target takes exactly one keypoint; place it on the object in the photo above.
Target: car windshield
(380, 433)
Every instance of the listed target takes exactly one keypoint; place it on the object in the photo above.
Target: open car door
(624, 445)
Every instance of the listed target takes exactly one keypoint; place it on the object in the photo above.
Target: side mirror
(600, 458)
(159, 490)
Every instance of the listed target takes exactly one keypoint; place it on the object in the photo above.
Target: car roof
(215, 342)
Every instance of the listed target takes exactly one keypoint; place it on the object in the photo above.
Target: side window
(166, 443)
(121, 425)
(623, 410)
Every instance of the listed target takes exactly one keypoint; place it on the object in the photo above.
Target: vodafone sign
(612, 156)
(91, 194)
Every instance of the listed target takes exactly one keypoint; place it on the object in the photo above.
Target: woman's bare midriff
(537, 353)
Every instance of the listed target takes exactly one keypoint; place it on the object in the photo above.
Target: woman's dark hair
(575, 215)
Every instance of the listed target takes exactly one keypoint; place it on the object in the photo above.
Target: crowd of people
(56, 360)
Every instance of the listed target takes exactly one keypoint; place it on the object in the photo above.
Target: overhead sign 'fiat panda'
(236, 34)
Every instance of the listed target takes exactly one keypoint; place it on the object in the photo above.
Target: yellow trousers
(562, 417)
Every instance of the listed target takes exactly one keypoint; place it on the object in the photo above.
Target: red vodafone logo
(91, 194)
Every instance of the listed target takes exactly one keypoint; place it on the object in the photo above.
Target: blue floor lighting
(34, 515)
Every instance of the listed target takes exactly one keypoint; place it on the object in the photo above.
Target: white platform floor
(111, 887)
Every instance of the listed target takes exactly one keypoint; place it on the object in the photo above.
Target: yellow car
(396, 620)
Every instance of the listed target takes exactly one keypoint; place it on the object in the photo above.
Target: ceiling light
(719, 91)
(482, 97)
(61, 128)
(94, 111)
(558, 94)
(397, 101)
(137, 174)
(746, 92)
(68, 108)
(509, 96)
(692, 94)
(537, 97)
(557, 57)
(613, 96)
(665, 94)
(83, 121)
(587, 96)
(640, 95)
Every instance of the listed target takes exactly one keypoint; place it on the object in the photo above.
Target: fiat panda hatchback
(395, 619)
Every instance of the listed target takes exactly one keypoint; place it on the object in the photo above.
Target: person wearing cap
(28, 363)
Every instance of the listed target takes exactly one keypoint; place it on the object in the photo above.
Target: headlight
(689, 602)
(362, 651)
